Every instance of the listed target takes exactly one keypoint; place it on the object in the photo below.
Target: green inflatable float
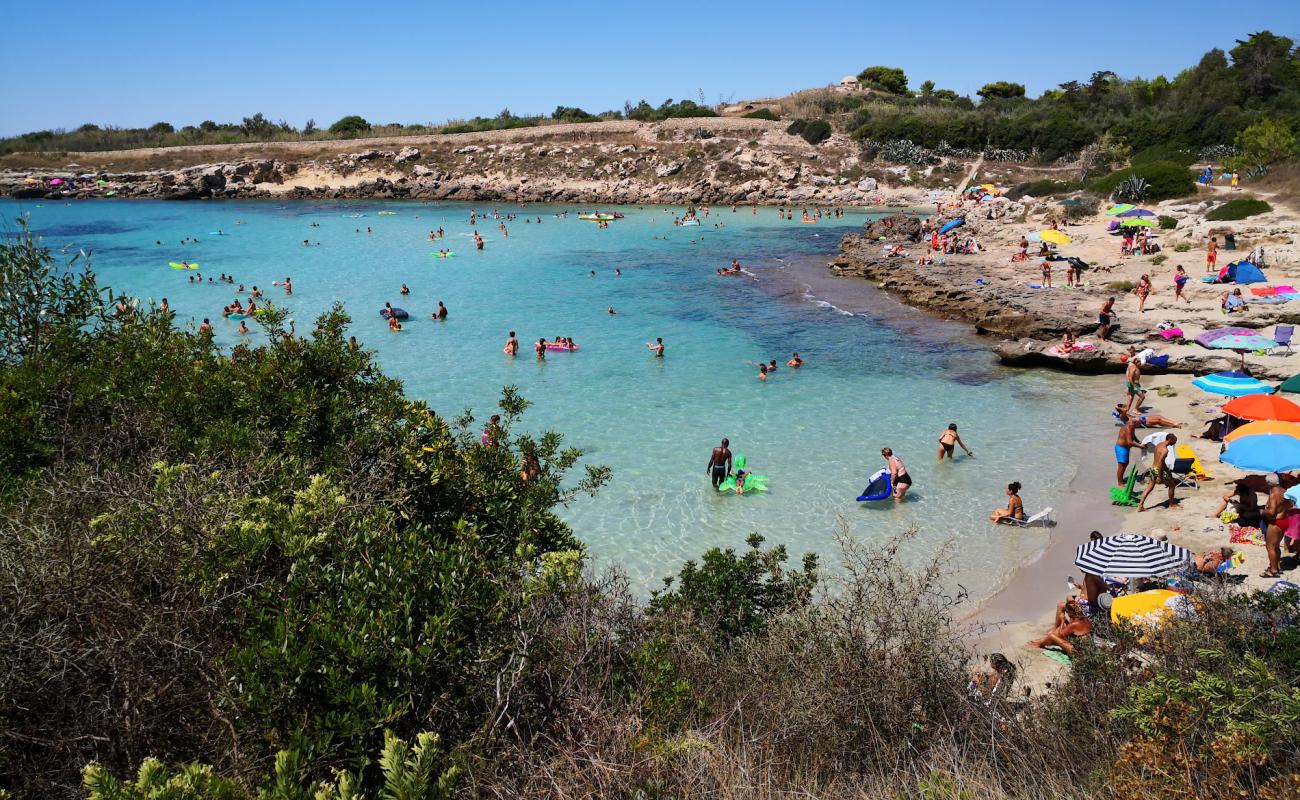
(751, 482)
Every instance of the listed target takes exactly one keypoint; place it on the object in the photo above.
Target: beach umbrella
(1116, 210)
(1151, 606)
(1265, 427)
(1137, 222)
(1055, 237)
(1263, 407)
(1137, 212)
(1131, 555)
(1263, 453)
(1290, 385)
(1235, 339)
(56, 181)
(1232, 384)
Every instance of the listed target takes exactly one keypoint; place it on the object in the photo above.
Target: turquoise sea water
(876, 374)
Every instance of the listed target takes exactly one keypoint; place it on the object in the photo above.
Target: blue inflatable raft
(879, 487)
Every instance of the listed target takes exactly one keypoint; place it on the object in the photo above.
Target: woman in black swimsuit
(898, 474)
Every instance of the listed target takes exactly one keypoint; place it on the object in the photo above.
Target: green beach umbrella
(1137, 222)
(1291, 385)
(1116, 210)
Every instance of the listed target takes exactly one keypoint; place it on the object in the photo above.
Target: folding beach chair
(1124, 495)
(1282, 336)
(1184, 472)
(1043, 517)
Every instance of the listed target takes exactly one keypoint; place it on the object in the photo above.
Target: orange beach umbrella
(1269, 427)
(1263, 407)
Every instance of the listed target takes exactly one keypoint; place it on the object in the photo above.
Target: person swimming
(795, 361)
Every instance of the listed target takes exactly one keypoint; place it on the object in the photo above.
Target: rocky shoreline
(1000, 301)
(709, 160)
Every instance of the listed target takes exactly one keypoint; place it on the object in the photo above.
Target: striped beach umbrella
(1131, 555)
(1232, 384)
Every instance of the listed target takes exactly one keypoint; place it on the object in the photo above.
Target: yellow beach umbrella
(1271, 426)
(1144, 607)
(1055, 237)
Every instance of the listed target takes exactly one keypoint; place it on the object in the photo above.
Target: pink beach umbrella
(56, 181)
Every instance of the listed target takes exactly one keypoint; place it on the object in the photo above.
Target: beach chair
(1184, 472)
(1282, 336)
(1043, 516)
(1124, 495)
(1185, 451)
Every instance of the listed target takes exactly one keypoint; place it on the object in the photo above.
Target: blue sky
(134, 63)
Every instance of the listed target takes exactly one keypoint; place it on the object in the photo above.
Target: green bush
(1045, 187)
(1182, 247)
(1166, 152)
(762, 113)
(1167, 180)
(351, 125)
(816, 131)
(1167, 223)
(1238, 208)
(1159, 259)
(796, 127)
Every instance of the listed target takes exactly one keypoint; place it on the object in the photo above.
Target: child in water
(740, 481)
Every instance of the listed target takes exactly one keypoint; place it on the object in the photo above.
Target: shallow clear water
(876, 375)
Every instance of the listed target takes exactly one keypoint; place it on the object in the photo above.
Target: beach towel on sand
(1239, 534)
(1185, 451)
(1172, 333)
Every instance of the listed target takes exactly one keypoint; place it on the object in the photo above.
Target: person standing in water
(540, 349)
(720, 463)
(657, 346)
(897, 474)
(512, 345)
(949, 441)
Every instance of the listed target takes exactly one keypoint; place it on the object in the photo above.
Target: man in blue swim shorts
(1122, 445)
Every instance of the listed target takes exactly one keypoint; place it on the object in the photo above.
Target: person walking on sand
(1123, 443)
(1105, 319)
(1133, 384)
(1212, 254)
(1180, 281)
(720, 463)
(1142, 290)
(949, 441)
(1160, 473)
(897, 474)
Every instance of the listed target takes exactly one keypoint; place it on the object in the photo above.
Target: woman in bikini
(897, 474)
(949, 441)
(1015, 507)
(1142, 290)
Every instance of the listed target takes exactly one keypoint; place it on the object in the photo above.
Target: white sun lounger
(1041, 517)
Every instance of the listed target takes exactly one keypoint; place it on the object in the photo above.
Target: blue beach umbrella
(1263, 453)
(1136, 212)
(1231, 384)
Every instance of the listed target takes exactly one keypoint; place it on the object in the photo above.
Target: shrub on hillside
(816, 131)
(1167, 180)
(796, 127)
(351, 125)
(762, 113)
(1238, 208)
(1167, 223)
(1166, 152)
(1045, 187)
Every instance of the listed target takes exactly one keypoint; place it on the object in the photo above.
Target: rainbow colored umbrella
(1116, 210)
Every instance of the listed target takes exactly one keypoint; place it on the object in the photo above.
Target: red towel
(1264, 292)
